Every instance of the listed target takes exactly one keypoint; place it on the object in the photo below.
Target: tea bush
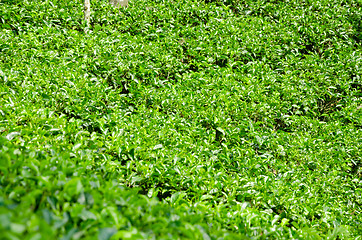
(185, 119)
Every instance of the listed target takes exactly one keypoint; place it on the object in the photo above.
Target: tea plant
(181, 120)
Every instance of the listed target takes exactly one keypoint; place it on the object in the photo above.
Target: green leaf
(158, 146)
(17, 228)
(4, 160)
(86, 215)
(5, 220)
(12, 135)
(106, 233)
(74, 187)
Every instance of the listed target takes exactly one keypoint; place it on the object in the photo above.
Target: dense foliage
(181, 119)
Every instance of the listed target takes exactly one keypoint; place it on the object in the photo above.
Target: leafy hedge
(181, 119)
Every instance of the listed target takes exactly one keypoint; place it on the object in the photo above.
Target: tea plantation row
(215, 119)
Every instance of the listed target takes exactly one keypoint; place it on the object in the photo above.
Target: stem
(87, 12)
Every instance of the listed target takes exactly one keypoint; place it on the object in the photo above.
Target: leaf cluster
(181, 119)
